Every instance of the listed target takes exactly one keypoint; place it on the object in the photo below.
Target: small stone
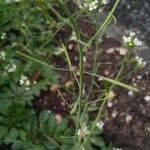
(100, 79)
(58, 118)
(70, 46)
(114, 114)
(106, 72)
(84, 59)
(75, 58)
(122, 51)
(130, 93)
(135, 84)
(110, 104)
(128, 118)
(110, 51)
(139, 77)
(63, 103)
(147, 98)
(69, 84)
(55, 88)
(147, 73)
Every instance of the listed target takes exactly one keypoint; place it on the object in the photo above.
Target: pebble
(130, 93)
(128, 118)
(110, 51)
(109, 104)
(139, 77)
(147, 98)
(114, 114)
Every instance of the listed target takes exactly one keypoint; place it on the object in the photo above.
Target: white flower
(25, 81)
(28, 83)
(131, 40)
(93, 5)
(137, 42)
(127, 39)
(100, 125)
(132, 34)
(83, 132)
(140, 61)
(59, 51)
(105, 2)
(11, 67)
(90, 5)
(2, 55)
(27, 88)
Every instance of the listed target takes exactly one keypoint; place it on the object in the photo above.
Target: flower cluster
(131, 40)
(140, 61)
(11, 67)
(105, 2)
(25, 81)
(83, 132)
(2, 55)
(100, 125)
(93, 4)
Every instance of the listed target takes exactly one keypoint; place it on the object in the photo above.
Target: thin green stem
(80, 66)
(85, 72)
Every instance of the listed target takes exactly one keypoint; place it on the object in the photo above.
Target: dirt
(127, 124)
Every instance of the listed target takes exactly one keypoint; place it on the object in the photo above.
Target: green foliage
(30, 27)
(21, 126)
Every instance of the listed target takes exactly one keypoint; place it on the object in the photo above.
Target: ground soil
(127, 124)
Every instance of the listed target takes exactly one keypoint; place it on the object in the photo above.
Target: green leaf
(16, 146)
(22, 135)
(26, 126)
(2, 120)
(66, 140)
(49, 146)
(51, 123)
(97, 141)
(12, 135)
(60, 128)
(66, 147)
(3, 131)
(44, 116)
